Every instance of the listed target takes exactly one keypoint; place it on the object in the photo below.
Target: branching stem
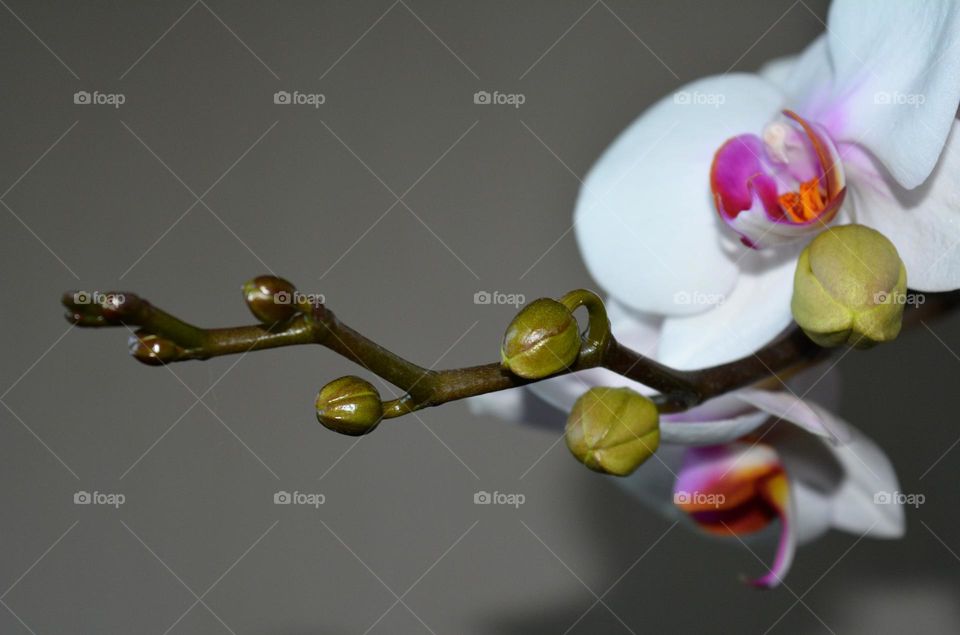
(171, 339)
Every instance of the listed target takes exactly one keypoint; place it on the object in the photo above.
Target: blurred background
(143, 149)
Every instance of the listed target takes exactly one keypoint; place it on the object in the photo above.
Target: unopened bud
(849, 288)
(349, 405)
(270, 299)
(613, 430)
(542, 339)
(153, 350)
(101, 308)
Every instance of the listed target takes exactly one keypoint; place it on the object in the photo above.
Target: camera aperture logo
(484, 497)
(496, 98)
(898, 498)
(96, 98)
(896, 98)
(112, 499)
(299, 299)
(698, 298)
(894, 297)
(696, 98)
(97, 297)
(701, 499)
(515, 300)
(296, 98)
(284, 497)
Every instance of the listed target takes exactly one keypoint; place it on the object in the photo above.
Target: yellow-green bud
(270, 299)
(613, 430)
(849, 287)
(542, 339)
(349, 405)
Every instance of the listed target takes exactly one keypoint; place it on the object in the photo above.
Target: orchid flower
(700, 208)
(740, 488)
(729, 465)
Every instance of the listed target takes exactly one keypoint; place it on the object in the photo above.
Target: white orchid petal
(755, 312)
(853, 476)
(800, 80)
(778, 71)
(710, 432)
(858, 506)
(640, 331)
(887, 79)
(923, 224)
(796, 74)
(645, 221)
(813, 512)
(789, 407)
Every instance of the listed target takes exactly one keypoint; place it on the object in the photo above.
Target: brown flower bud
(270, 299)
(153, 350)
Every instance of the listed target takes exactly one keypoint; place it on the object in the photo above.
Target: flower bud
(270, 299)
(613, 430)
(98, 308)
(349, 405)
(119, 306)
(542, 339)
(152, 350)
(849, 288)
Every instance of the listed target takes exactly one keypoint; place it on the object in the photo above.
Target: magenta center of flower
(780, 186)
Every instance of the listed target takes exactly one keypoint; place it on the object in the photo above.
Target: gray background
(98, 197)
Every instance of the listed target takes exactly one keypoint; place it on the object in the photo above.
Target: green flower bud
(349, 405)
(270, 299)
(848, 288)
(542, 339)
(613, 430)
(152, 350)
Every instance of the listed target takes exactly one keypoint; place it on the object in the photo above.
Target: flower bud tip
(270, 299)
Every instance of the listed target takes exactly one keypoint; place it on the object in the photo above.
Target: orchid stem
(679, 390)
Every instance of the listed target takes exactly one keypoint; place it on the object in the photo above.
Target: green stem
(679, 389)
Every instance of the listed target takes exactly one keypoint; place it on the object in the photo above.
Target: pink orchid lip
(772, 193)
(728, 498)
(738, 489)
